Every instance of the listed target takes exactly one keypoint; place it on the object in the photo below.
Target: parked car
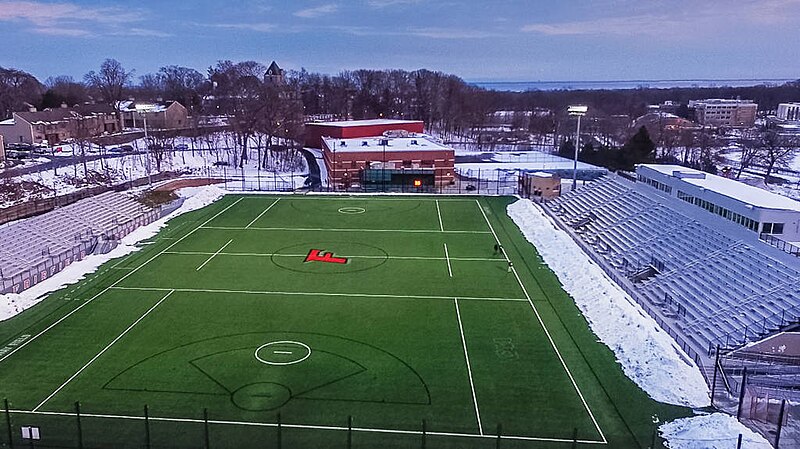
(126, 148)
(469, 188)
(221, 164)
(181, 147)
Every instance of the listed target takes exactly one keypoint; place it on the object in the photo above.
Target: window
(772, 228)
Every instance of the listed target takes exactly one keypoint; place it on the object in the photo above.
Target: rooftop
(729, 187)
(416, 143)
(352, 123)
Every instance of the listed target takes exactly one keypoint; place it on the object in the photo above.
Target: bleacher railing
(782, 245)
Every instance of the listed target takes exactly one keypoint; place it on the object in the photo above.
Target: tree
(751, 152)
(63, 90)
(639, 149)
(16, 89)
(777, 151)
(111, 81)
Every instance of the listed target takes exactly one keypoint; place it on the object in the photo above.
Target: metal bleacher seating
(38, 247)
(717, 287)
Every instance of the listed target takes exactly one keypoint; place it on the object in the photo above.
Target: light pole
(334, 166)
(577, 111)
(383, 170)
(143, 109)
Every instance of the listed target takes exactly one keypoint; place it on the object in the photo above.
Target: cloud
(690, 19)
(262, 27)
(387, 3)
(73, 20)
(451, 33)
(317, 11)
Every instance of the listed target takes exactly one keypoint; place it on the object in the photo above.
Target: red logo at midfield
(318, 255)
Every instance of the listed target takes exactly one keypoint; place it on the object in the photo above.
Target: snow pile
(13, 303)
(647, 354)
(715, 431)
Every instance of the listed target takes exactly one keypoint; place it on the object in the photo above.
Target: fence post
(424, 434)
(714, 377)
(279, 430)
(8, 425)
(739, 442)
(349, 432)
(205, 427)
(780, 424)
(80, 428)
(147, 426)
(741, 394)
(499, 435)
(574, 438)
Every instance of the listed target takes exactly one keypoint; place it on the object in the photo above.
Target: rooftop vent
(414, 142)
(364, 143)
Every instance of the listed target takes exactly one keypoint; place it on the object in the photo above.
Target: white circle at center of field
(284, 342)
(352, 210)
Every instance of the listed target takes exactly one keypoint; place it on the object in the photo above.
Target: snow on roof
(8, 122)
(728, 187)
(418, 143)
(542, 174)
(352, 123)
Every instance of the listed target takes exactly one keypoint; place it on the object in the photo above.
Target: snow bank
(715, 431)
(647, 354)
(14, 303)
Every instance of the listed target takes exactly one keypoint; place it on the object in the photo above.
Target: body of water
(522, 86)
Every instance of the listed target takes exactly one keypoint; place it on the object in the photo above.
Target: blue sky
(477, 40)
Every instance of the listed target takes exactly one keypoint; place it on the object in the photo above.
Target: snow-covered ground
(715, 431)
(214, 157)
(13, 303)
(647, 354)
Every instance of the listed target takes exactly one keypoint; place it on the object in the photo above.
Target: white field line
(399, 231)
(108, 346)
(439, 213)
(214, 255)
(459, 259)
(447, 257)
(469, 368)
(115, 283)
(547, 332)
(343, 295)
(306, 426)
(262, 214)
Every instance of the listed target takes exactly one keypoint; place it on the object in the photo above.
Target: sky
(478, 40)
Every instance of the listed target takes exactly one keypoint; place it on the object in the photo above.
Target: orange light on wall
(417, 183)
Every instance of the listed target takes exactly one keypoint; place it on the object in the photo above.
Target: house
(53, 126)
(275, 75)
(159, 115)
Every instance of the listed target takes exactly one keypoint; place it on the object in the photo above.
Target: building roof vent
(364, 143)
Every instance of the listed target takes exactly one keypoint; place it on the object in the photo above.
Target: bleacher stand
(705, 278)
(34, 249)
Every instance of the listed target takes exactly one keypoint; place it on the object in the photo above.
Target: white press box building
(756, 209)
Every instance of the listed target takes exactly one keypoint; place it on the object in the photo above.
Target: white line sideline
(546, 332)
(108, 346)
(307, 426)
(345, 295)
(214, 255)
(469, 368)
(399, 231)
(262, 214)
(439, 213)
(88, 301)
(458, 259)
(447, 257)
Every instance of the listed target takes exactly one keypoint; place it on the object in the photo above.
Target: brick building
(54, 126)
(382, 155)
(716, 112)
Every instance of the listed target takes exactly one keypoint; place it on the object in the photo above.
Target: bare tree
(111, 81)
(777, 151)
(751, 152)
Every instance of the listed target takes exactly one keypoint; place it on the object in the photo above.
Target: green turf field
(351, 321)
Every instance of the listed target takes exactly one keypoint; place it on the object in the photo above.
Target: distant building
(160, 115)
(717, 112)
(382, 154)
(789, 112)
(275, 74)
(669, 107)
(54, 126)
(539, 185)
(756, 209)
(662, 122)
